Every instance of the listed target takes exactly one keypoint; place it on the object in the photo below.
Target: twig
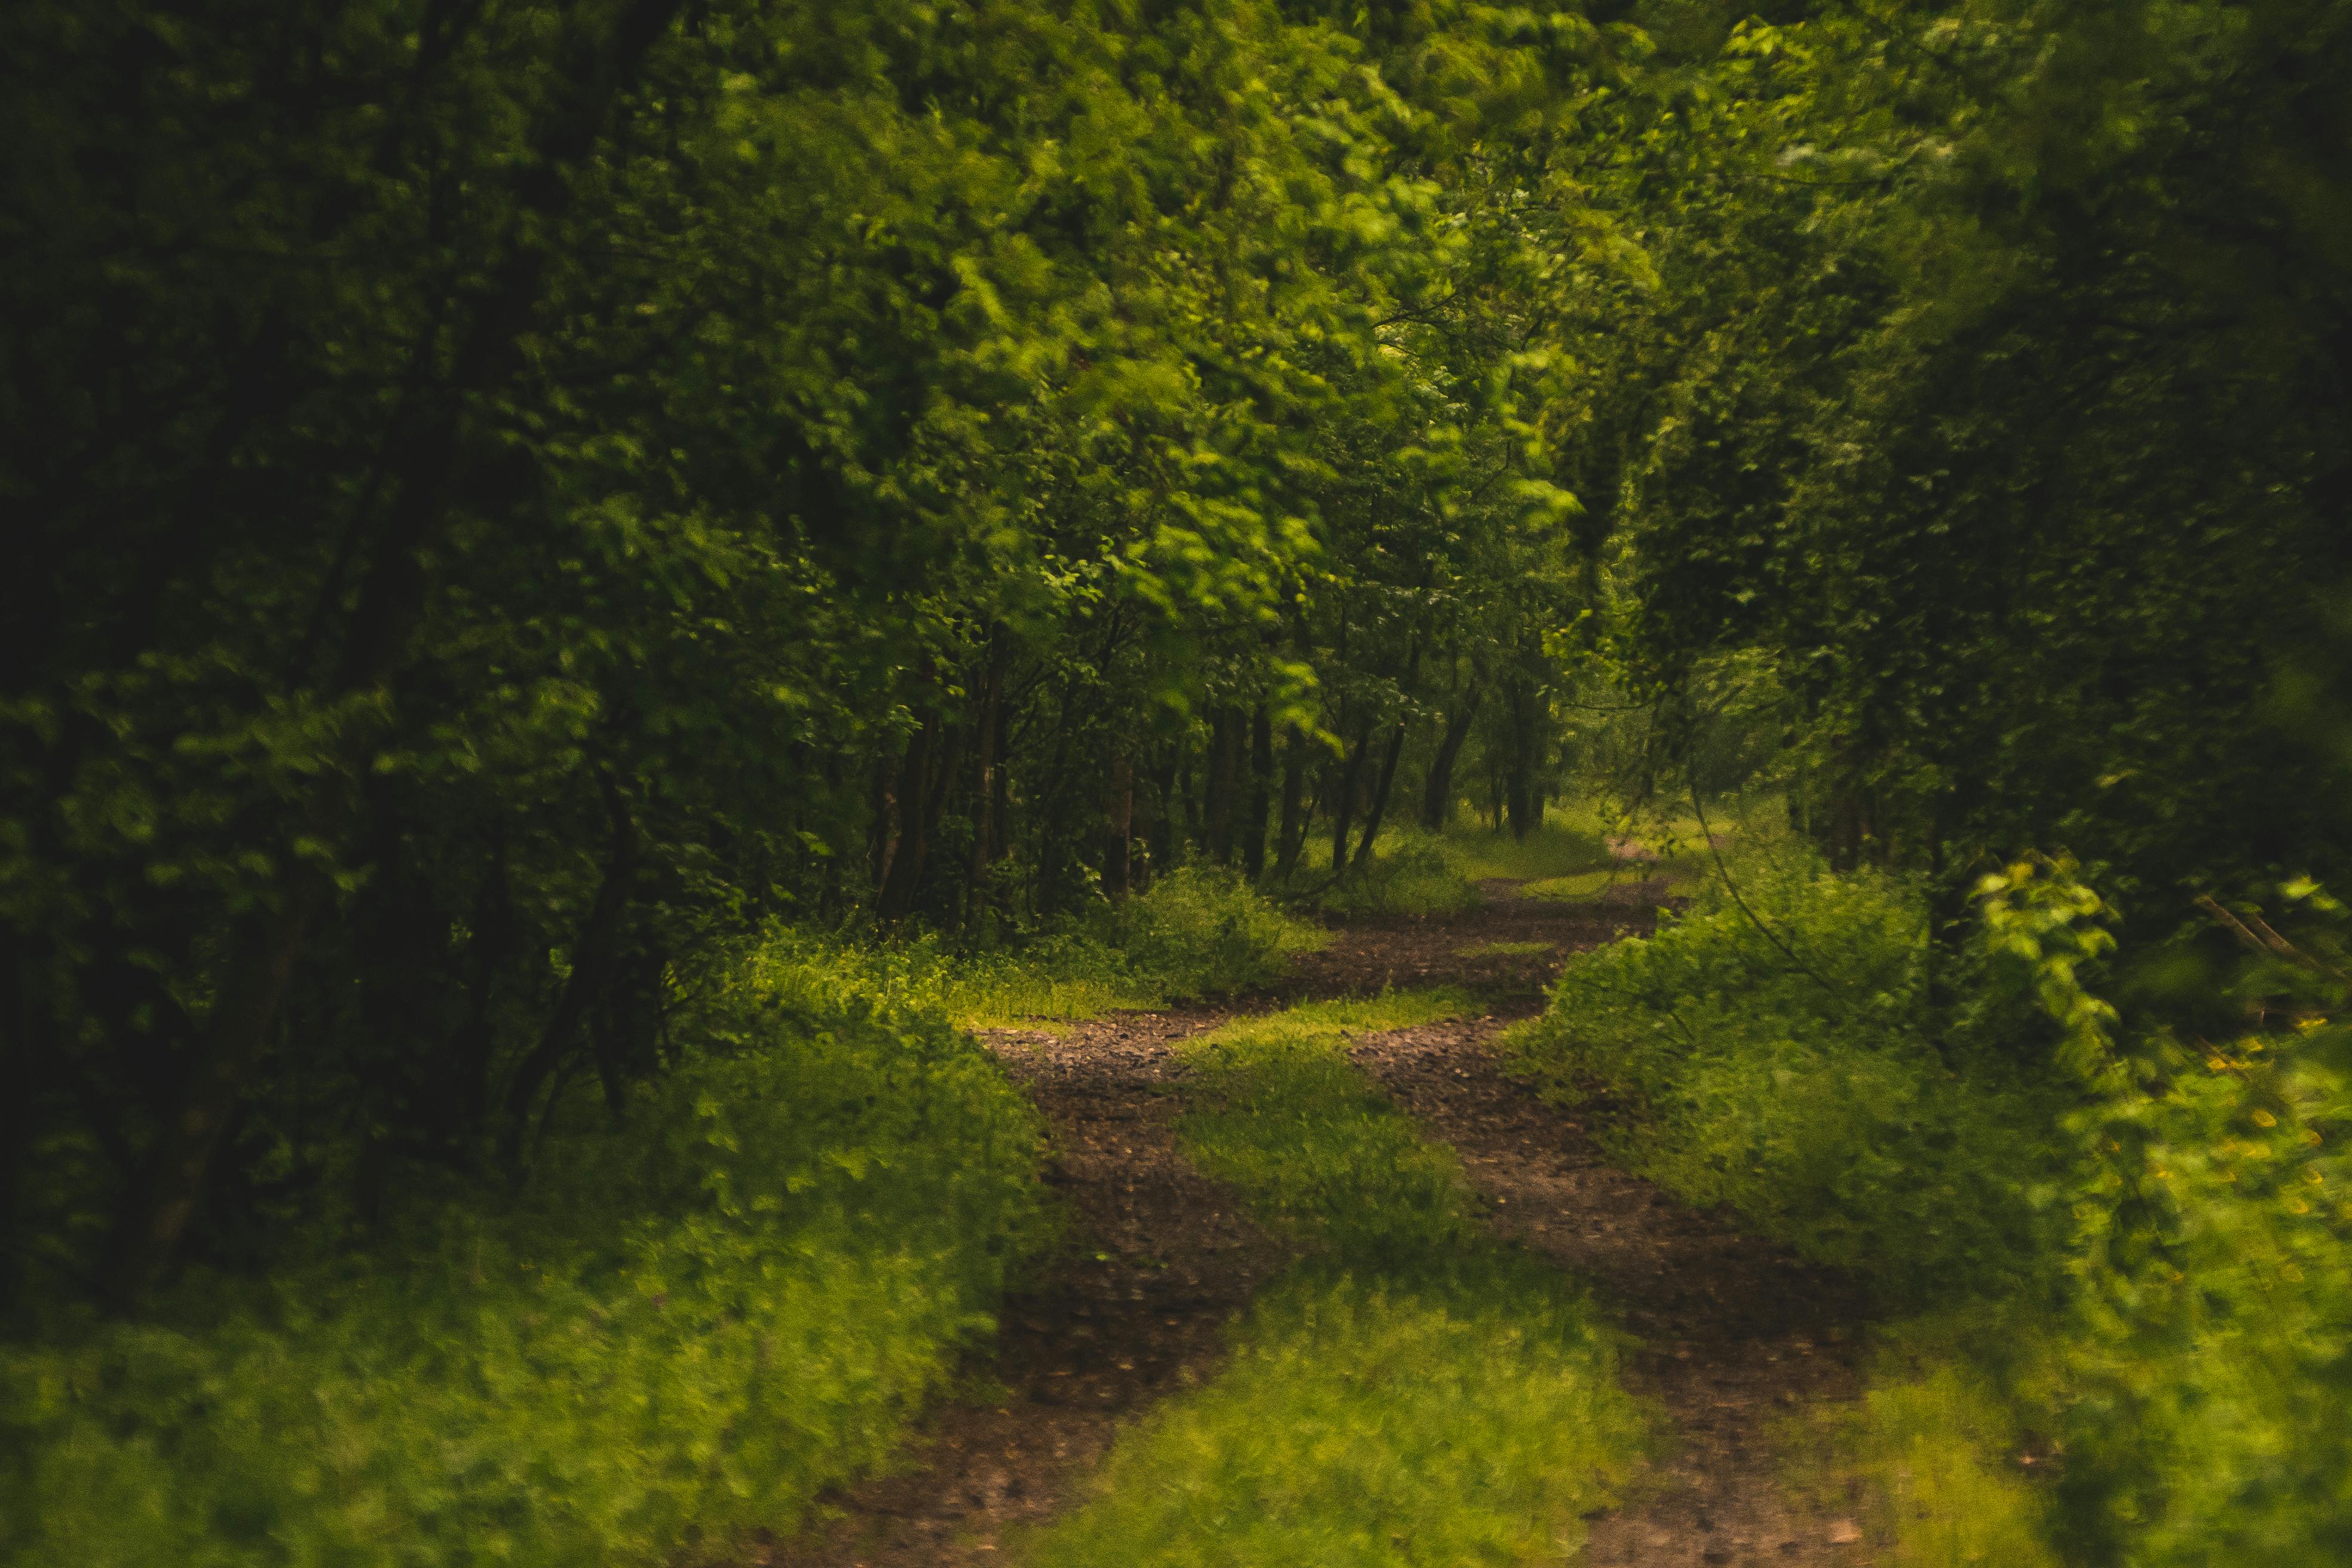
(2268, 942)
(1733, 888)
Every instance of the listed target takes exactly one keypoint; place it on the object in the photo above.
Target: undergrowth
(1412, 1394)
(1560, 848)
(2119, 1271)
(1796, 1073)
(1577, 885)
(1197, 930)
(1408, 873)
(678, 1332)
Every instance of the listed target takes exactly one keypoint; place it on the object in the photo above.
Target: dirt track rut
(1730, 1333)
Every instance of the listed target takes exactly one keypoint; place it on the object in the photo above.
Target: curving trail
(1731, 1333)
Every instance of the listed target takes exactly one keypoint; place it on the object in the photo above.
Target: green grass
(1197, 932)
(1505, 949)
(1567, 842)
(680, 1332)
(1568, 857)
(1408, 874)
(1684, 875)
(2149, 1290)
(1582, 884)
(1280, 1113)
(1413, 1395)
(1928, 1463)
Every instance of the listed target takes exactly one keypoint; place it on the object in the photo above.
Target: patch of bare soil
(1401, 950)
(1731, 1334)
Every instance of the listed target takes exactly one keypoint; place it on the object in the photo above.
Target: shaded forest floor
(1730, 1335)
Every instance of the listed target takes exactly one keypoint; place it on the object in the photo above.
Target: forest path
(1731, 1333)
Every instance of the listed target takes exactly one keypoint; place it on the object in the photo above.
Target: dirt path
(1732, 1334)
(1161, 1261)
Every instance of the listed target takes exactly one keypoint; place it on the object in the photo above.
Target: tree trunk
(25, 1048)
(1163, 822)
(1260, 795)
(1381, 795)
(1294, 804)
(593, 952)
(984, 827)
(1437, 787)
(1343, 804)
(494, 937)
(882, 832)
(1520, 800)
(896, 899)
(162, 1200)
(1117, 853)
(1225, 788)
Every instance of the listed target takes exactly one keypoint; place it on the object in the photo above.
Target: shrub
(1203, 930)
(1072, 972)
(1563, 845)
(1199, 931)
(676, 1334)
(1408, 874)
(1932, 1462)
(2205, 1363)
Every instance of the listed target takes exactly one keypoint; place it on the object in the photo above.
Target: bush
(1074, 973)
(2205, 1365)
(1408, 874)
(1563, 845)
(677, 1333)
(1203, 930)
(1200, 931)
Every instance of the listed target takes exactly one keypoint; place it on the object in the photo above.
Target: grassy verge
(1566, 844)
(2119, 1308)
(1413, 1395)
(1409, 873)
(1576, 884)
(680, 1331)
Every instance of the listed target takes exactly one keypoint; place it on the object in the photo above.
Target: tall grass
(1408, 873)
(1792, 1072)
(681, 1329)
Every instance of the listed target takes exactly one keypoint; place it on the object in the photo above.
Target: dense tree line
(1996, 394)
(507, 492)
